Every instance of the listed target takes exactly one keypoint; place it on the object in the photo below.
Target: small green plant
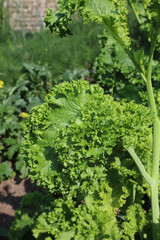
(15, 103)
(6, 171)
(38, 77)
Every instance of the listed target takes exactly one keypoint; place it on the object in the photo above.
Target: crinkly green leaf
(154, 10)
(113, 14)
(5, 171)
(75, 137)
(61, 218)
(136, 221)
(147, 12)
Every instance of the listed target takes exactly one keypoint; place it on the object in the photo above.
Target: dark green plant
(113, 68)
(115, 72)
(15, 103)
(39, 79)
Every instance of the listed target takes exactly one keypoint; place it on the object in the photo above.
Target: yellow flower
(23, 115)
(1, 84)
(20, 46)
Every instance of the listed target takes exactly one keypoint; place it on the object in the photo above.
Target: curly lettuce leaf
(147, 12)
(136, 221)
(111, 13)
(74, 138)
(64, 218)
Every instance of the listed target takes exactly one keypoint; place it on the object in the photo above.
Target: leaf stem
(139, 164)
(134, 11)
(156, 145)
(149, 82)
(155, 176)
(127, 50)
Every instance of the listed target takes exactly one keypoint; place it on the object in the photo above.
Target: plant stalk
(134, 11)
(156, 142)
(127, 50)
(155, 176)
(156, 146)
(153, 180)
(140, 166)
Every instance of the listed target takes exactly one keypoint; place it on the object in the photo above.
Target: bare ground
(11, 193)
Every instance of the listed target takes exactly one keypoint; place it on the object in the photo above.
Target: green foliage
(117, 74)
(115, 66)
(136, 220)
(94, 154)
(35, 79)
(4, 21)
(38, 77)
(57, 55)
(15, 103)
(5, 171)
(63, 218)
(112, 14)
(75, 147)
(78, 122)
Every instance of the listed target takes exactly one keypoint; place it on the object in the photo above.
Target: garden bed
(11, 193)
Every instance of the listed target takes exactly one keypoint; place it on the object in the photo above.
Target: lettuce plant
(98, 156)
(113, 15)
(76, 148)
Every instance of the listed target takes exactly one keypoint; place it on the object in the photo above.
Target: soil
(11, 193)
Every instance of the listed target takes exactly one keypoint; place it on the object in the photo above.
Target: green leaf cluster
(83, 146)
(15, 103)
(39, 78)
(11, 130)
(113, 14)
(116, 73)
(5, 171)
(79, 128)
(124, 57)
(64, 218)
(75, 148)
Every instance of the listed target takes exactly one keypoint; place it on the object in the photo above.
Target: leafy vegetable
(79, 127)
(109, 13)
(75, 147)
(98, 155)
(14, 107)
(62, 219)
(5, 171)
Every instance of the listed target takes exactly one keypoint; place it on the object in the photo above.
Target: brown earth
(11, 193)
